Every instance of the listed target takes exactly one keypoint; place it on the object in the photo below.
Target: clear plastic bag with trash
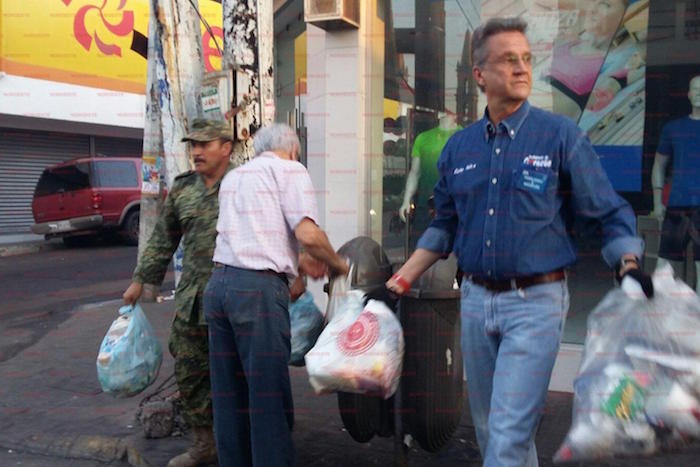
(638, 388)
(130, 354)
(361, 348)
(306, 323)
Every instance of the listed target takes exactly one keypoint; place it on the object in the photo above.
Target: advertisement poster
(589, 64)
(94, 43)
(150, 175)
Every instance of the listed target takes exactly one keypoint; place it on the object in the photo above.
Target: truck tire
(130, 228)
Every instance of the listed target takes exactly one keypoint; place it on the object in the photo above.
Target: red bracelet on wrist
(403, 283)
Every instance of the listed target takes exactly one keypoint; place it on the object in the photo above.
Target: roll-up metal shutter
(23, 156)
(119, 147)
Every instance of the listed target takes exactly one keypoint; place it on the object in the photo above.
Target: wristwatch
(625, 261)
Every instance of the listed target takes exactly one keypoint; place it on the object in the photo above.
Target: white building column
(344, 117)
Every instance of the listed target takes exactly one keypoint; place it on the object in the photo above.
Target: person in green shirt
(190, 213)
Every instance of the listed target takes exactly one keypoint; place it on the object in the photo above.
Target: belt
(280, 275)
(504, 285)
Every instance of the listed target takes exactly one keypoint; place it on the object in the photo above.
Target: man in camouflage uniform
(190, 212)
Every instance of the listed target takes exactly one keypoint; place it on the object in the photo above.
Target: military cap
(204, 130)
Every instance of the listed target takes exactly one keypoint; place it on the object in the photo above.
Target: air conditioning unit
(332, 14)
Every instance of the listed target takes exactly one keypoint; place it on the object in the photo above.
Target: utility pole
(151, 197)
(175, 70)
(183, 68)
(248, 41)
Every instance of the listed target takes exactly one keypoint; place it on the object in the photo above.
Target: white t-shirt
(260, 205)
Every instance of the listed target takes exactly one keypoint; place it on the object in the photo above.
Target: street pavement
(40, 290)
(52, 412)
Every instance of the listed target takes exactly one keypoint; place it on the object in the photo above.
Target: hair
(479, 52)
(277, 136)
(227, 140)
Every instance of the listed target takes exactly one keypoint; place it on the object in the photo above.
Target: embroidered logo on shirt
(538, 160)
(459, 170)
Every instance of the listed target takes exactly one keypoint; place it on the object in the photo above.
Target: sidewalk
(51, 405)
(20, 244)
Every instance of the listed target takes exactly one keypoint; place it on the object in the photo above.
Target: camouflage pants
(189, 345)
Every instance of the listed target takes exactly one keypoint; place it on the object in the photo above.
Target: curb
(15, 249)
(21, 249)
(115, 302)
(97, 448)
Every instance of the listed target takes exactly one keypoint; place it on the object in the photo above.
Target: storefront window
(427, 99)
(290, 69)
(623, 70)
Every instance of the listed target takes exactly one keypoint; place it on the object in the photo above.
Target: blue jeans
(509, 342)
(248, 353)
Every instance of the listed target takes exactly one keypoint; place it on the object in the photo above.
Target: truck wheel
(130, 228)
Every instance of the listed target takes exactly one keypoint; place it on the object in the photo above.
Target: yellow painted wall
(85, 42)
(300, 64)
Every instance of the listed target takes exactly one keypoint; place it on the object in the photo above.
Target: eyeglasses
(513, 60)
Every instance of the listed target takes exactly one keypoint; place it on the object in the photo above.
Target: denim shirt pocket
(533, 194)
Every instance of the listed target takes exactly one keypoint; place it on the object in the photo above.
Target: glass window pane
(622, 70)
(68, 178)
(116, 174)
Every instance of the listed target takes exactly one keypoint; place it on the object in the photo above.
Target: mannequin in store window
(424, 173)
(679, 146)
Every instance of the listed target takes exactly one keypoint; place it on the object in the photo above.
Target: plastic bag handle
(126, 309)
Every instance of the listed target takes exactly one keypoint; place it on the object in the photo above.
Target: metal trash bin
(428, 404)
(432, 383)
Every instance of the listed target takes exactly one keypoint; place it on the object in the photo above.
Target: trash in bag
(638, 388)
(306, 324)
(360, 350)
(130, 355)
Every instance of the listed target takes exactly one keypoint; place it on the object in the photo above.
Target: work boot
(202, 451)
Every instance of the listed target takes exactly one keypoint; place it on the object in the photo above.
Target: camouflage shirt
(190, 212)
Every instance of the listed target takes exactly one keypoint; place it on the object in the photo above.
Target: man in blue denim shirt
(510, 188)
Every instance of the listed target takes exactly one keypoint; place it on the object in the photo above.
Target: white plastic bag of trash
(360, 350)
(130, 354)
(638, 388)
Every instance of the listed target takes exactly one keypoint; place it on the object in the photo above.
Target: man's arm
(132, 293)
(593, 197)
(297, 289)
(159, 250)
(417, 264)
(315, 243)
(309, 266)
